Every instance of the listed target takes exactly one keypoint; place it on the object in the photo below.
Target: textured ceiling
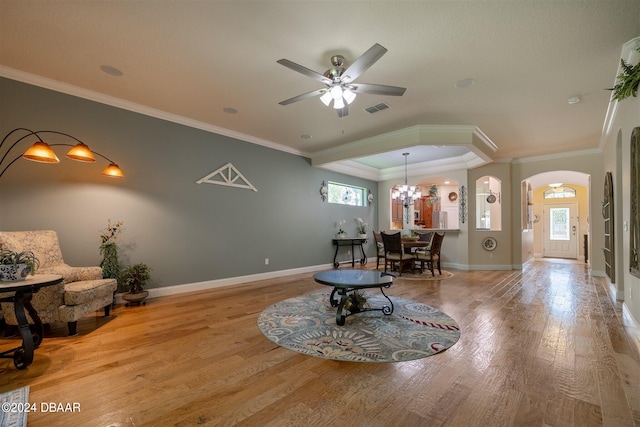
(189, 60)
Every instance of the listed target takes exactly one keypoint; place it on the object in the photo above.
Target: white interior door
(560, 230)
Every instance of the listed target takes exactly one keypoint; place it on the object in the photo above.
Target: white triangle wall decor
(228, 176)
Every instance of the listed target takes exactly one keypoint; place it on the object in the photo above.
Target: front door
(560, 230)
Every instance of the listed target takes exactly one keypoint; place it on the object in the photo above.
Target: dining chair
(379, 248)
(431, 256)
(426, 238)
(394, 252)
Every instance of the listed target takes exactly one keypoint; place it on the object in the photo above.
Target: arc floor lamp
(41, 152)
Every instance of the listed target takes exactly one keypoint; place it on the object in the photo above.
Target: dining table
(409, 244)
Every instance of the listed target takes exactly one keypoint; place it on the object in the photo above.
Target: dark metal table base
(342, 313)
(350, 242)
(31, 334)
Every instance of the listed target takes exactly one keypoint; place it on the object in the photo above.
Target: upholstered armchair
(82, 291)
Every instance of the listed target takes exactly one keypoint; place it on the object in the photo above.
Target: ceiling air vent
(376, 108)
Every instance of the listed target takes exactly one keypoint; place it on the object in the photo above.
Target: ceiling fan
(340, 86)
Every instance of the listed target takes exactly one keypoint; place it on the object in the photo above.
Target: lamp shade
(113, 171)
(41, 152)
(348, 96)
(81, 152)
(326, 98)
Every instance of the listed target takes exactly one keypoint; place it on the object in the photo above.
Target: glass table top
(353, 278)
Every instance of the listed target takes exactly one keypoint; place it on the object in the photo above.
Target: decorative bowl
(14, 272)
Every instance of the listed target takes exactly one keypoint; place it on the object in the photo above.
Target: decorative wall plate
(489, 244)
(453, 196)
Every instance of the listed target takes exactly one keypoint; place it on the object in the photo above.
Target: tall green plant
(110, 263)
(109, 251)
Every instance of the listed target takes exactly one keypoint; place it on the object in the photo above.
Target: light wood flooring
(544, 346)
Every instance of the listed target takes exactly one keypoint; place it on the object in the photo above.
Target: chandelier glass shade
(408, 194)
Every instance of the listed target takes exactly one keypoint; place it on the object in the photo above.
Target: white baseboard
(230, 281)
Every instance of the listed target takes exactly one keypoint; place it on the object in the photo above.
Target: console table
(22, 293)
(350, 241)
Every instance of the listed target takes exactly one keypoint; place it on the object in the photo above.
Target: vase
(14, 272)
(341, 235)
(135, 298)
(362, 235)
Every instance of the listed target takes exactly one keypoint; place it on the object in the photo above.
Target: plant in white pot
(15, 266)
(134, 278)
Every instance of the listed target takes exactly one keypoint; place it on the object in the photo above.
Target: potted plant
(362, 228)
(15, 266)
(356, 301)
(341, 233)
(109, 250)
(134, 278)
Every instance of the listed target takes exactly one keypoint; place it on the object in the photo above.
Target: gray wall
(186, 232)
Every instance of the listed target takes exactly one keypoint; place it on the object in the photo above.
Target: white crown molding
(351, 168)
(101, 98)
(556, 156)
(412, 136)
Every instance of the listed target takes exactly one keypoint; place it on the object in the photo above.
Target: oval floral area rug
(307, 324)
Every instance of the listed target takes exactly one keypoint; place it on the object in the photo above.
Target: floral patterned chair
(82, 291)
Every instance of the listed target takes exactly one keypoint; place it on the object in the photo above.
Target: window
(560, 193)
(344, 194)
(559, 227)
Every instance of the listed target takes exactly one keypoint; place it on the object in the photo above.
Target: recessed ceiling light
(574, 99)
(464, 83)
(229, 110)
(112, 71)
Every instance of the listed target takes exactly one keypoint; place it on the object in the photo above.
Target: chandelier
(408, 194)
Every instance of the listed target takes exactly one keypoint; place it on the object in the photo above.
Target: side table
(22, 293)
(350, 241)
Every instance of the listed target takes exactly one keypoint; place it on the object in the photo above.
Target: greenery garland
(627, 80)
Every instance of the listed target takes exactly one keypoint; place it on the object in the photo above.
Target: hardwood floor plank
(545, 346)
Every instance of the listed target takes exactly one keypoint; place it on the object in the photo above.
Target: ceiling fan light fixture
(326, 98)
(336, 92)
(338, 103)
(348, 96)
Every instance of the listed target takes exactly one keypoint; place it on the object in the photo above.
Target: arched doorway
(555, 216)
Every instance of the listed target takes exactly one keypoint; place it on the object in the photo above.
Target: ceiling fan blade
(377, 89)
(304, 70)
(303, 96)
(363, 63)
(344, 111)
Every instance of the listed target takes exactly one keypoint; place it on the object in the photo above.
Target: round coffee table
(346, 281)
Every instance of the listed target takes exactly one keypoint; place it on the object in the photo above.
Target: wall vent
(377, 107)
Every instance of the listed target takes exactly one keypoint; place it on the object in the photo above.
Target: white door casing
(560, 236)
